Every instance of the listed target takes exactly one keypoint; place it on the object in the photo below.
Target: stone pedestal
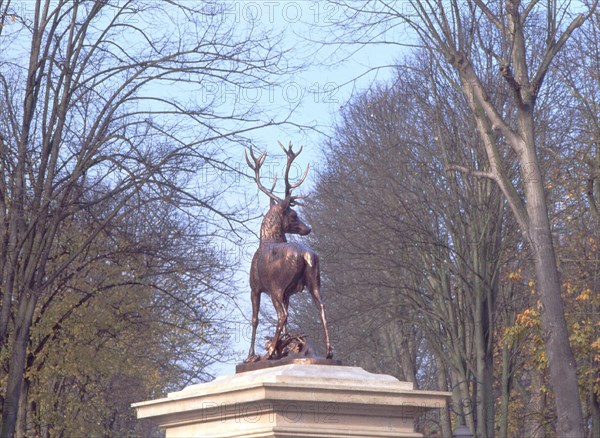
(293, 401)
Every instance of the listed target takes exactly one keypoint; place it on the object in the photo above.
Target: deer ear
(273, 202)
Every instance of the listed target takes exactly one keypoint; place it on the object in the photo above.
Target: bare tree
(89, 116)
(455, 30)
(579, 68)
(414, 260)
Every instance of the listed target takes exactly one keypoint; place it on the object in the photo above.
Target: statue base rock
(291, 348)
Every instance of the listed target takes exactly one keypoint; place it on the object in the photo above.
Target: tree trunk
(21, 428)
(595, 414)
(462, 400)
(485, 404)
(17, 367)
(406, 357)
(534, 422)
(483, 353)
(442, 383)
(505, 387)
(561, 361)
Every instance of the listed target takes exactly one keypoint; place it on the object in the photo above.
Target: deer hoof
(252, 358)
(329, 352)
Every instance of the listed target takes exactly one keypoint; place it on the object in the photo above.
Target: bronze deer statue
(281, 268)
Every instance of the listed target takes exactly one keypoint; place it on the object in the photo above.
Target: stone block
(296, 400)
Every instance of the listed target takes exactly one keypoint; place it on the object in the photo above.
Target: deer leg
(255, 297)
(281, 321)
(286, 304)
(316, 295)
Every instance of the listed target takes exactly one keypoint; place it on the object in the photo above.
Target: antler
(258, 162)
(291, 156)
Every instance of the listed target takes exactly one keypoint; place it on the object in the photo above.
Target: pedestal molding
(294, 401)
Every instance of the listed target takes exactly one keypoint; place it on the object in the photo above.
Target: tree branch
(553, 49)
(468, 171)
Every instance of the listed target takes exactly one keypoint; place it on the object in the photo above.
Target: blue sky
(321, 88)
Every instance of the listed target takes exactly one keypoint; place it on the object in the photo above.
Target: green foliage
(132, 321)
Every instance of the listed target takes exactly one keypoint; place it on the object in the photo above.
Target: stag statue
(281, 268)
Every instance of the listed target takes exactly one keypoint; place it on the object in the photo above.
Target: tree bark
(17, 363)
(534, 425)
(505, 388)
(21, 429)
(561, 360)
(442, 382)
(595, 414)
(484, 289)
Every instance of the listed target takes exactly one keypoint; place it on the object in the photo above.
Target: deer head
(281, 218)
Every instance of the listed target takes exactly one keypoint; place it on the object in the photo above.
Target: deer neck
(271, 229)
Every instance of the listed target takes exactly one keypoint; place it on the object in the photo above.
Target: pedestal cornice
(294, 401)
